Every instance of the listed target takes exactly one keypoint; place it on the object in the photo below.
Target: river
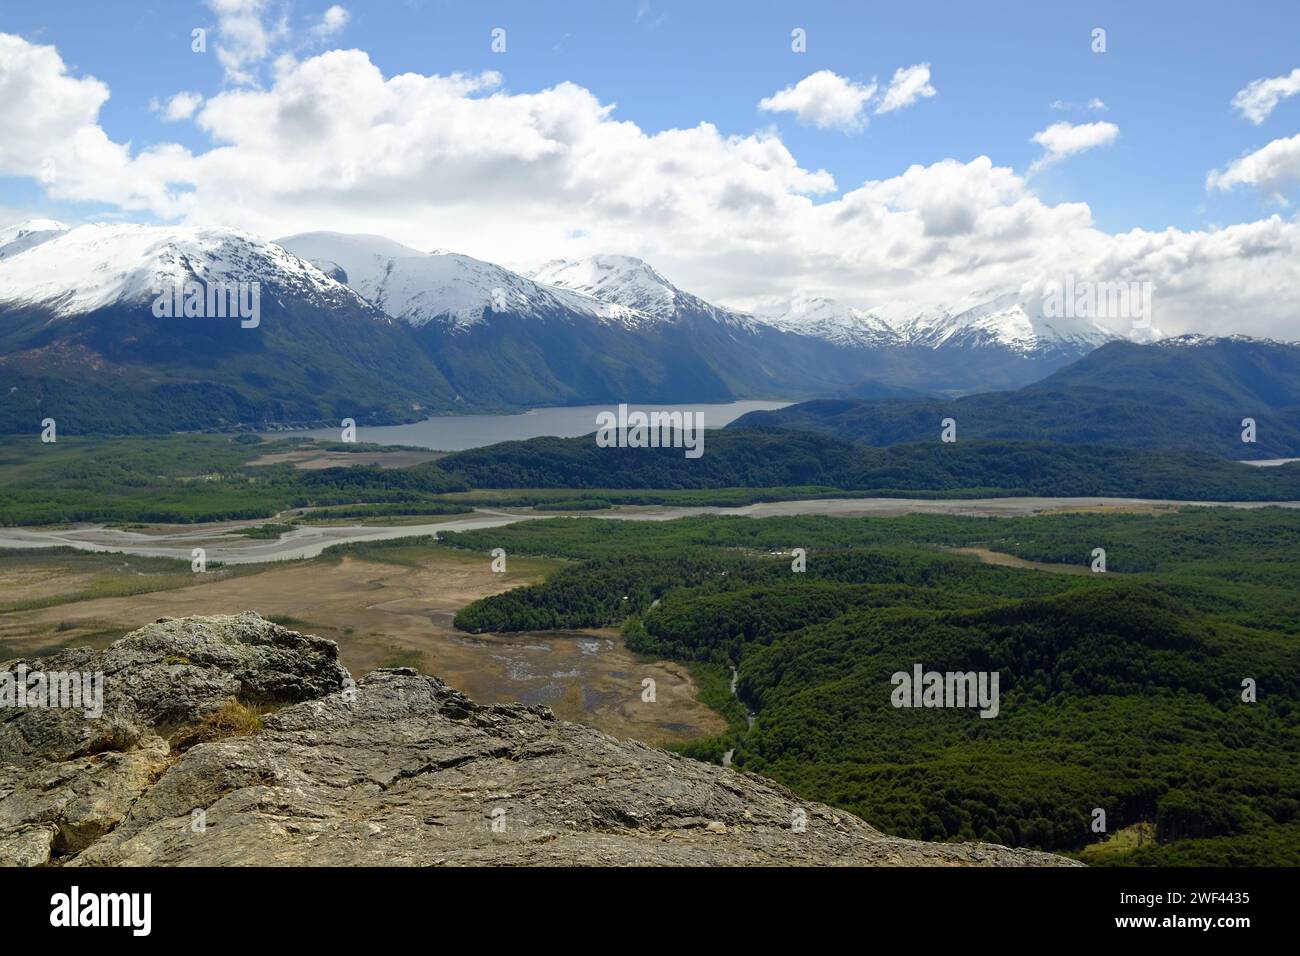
(307, 541)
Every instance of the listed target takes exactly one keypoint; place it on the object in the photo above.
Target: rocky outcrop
(232, 740)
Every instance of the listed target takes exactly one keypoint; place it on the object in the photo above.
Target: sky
(889, 155)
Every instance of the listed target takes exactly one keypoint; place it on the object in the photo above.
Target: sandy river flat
(309, 541)
(396, 615)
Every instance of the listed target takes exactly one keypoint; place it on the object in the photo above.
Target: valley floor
(222, 544)
(382, 614)
(1123, 688)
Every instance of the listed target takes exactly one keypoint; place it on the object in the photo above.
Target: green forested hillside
(1167, 397)
(122, 371)
(1120, 691)
(770, 458)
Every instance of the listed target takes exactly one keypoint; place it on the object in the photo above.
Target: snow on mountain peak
(23, 235)
(624, 280)
(987, 317)
(1194, 340)
(418, 287)
(827, 319)
(88, 267)
(1002, 318)
(94, 266)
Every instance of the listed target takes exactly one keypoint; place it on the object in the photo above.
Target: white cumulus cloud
(1271, 169)
(181, 106)
(908, 85)
(1260, 97)
(1065, 139)
(52, 134)
(823, 99)
(334, 20)
(244, 37)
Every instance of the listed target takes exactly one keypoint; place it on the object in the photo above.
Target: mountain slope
(1180, 394)
(602, 330)
(21, 236)
(1235, 371)
(827, 319)
(1000, 320)
(625, 280)
(792, 464)
(508, 341)
(362, 327)
(79, 341)
(806, 346)
(420, 287)
(1088, 663)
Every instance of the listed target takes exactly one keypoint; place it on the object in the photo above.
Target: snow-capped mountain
(983, 320)
(20, 236)
(626, 280)
(362, 322)
(89, 267)
(748, 354)
(76, 271)
(419, 287)
(989, 340)
(1002, 319)
(81, 338)
(1192, 340)
(634, 284)
(830, 320)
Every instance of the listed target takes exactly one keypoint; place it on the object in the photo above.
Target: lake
(458, 432)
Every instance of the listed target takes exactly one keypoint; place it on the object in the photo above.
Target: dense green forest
(190, 478)
(771, 458)
(1120, 691)
(194, 478)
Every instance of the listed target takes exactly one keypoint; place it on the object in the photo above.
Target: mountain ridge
(1191, 393)
(418, 288)
(441, 332)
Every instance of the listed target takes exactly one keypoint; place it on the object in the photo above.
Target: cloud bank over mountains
(460, 161)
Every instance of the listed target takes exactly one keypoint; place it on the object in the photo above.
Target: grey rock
(398, 769)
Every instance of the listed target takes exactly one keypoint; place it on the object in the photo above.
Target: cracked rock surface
(398, 769)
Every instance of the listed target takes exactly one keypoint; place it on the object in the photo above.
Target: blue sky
(1167, 80)
(1167, 77)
